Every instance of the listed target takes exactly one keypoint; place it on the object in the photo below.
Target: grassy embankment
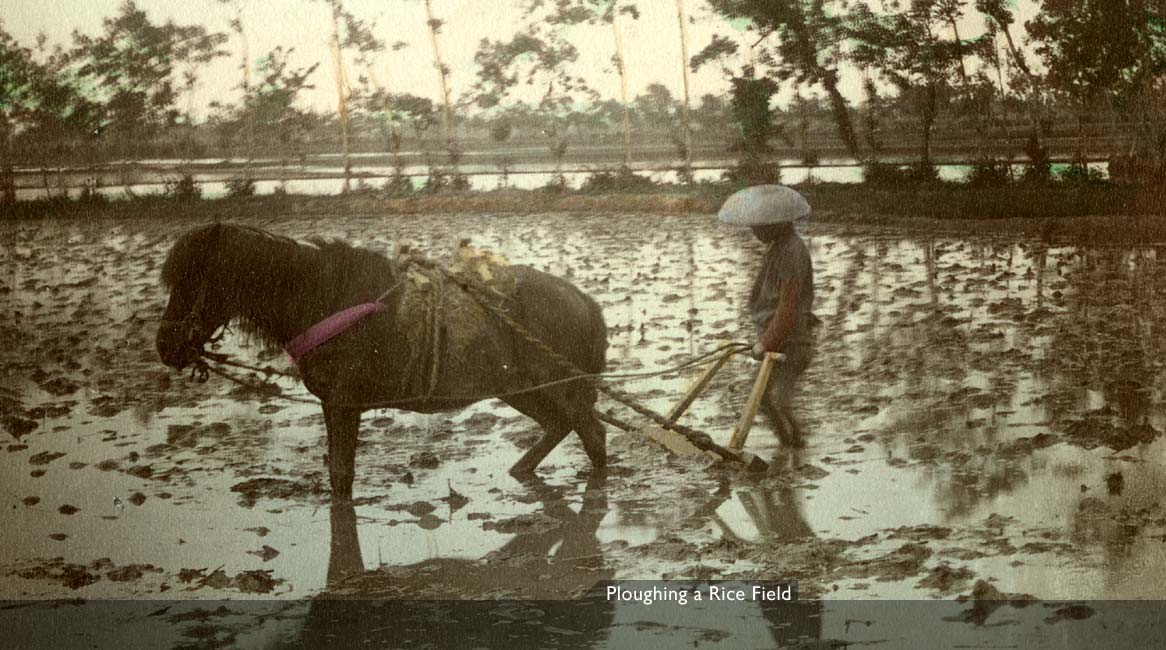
(1097, 212)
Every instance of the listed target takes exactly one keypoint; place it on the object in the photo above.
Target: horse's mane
(274, 274)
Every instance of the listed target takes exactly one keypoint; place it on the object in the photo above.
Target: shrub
(459, 182)
(89, 195)
(752, 170)
(1039, 169)
(240, 186)
(987, 172)
(557, 184)
(437, 181)
(398, 186)
(183, 188)
(881, 174)
(922, 173)
(442, 181)
(1079, 172)
(621, 179)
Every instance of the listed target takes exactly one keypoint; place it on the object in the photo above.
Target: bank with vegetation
(1076, 204)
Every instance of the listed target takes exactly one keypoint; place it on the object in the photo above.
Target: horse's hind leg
(558, 415)
(547, 411)
(343, 425)
(530, 460)
(594, 438)
(579, 404)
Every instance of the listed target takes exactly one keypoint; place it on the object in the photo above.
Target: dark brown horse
(276, 288)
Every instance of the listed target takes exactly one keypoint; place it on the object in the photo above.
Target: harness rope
(482, 295)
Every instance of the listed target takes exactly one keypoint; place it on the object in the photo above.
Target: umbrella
(762, 205)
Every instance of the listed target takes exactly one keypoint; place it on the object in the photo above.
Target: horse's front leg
(343, 425)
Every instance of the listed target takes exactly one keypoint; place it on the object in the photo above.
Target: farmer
(782, 296)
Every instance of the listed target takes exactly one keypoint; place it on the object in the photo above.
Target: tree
(656, 108)
(391, 112)
(711, 116)
(682, 20)
(608, 12)
(40, 107)
(134, 65)
(269, 109)
(906, 48)
(442, 78)
(753, 116)
(244, 68)
(1101, 53)
(808, 48)
(537, 58)
(349, 34)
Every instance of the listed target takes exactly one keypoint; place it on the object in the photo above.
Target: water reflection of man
(782, 296)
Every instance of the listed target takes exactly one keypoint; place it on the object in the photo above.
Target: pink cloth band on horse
(329, 328)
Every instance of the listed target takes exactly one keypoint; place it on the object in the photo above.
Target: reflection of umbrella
(762, 205)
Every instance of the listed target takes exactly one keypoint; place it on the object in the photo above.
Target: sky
(652, 47)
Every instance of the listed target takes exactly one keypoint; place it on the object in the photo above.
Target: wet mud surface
(982, 415)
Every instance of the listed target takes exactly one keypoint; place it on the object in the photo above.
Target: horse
(276, 288)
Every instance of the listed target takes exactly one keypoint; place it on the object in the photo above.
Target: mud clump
(535, 522)
(72, 576)
(257, 581)
(131, 572)
(250, 491)
(921, 532)
(44, 458)
(424, 460)
(266, 553)
(59, 386)
(946, 580)
(1098, 429)
(902, 563)
(17, 426)
(673, 548)
(1025, 446)
(189, 435)
(986, 598)
(1071, 613)
(420, 508)
(106, 408)
(140, 471)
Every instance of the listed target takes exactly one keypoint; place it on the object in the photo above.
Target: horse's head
(197, 306)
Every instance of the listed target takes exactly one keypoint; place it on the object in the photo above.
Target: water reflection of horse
(541, 571)
(278, 288)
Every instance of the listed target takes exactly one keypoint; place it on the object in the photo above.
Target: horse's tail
(596, 361)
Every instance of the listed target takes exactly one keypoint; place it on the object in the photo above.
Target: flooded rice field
(978, 411)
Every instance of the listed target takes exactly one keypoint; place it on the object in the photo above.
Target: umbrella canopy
(762, 205)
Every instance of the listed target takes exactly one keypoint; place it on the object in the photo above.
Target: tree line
(129, 87)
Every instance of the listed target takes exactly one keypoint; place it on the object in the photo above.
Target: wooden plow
(687, 444)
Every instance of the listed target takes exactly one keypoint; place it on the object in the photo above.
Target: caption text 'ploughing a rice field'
(588, 323)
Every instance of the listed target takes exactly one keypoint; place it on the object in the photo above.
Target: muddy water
(977, 410)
